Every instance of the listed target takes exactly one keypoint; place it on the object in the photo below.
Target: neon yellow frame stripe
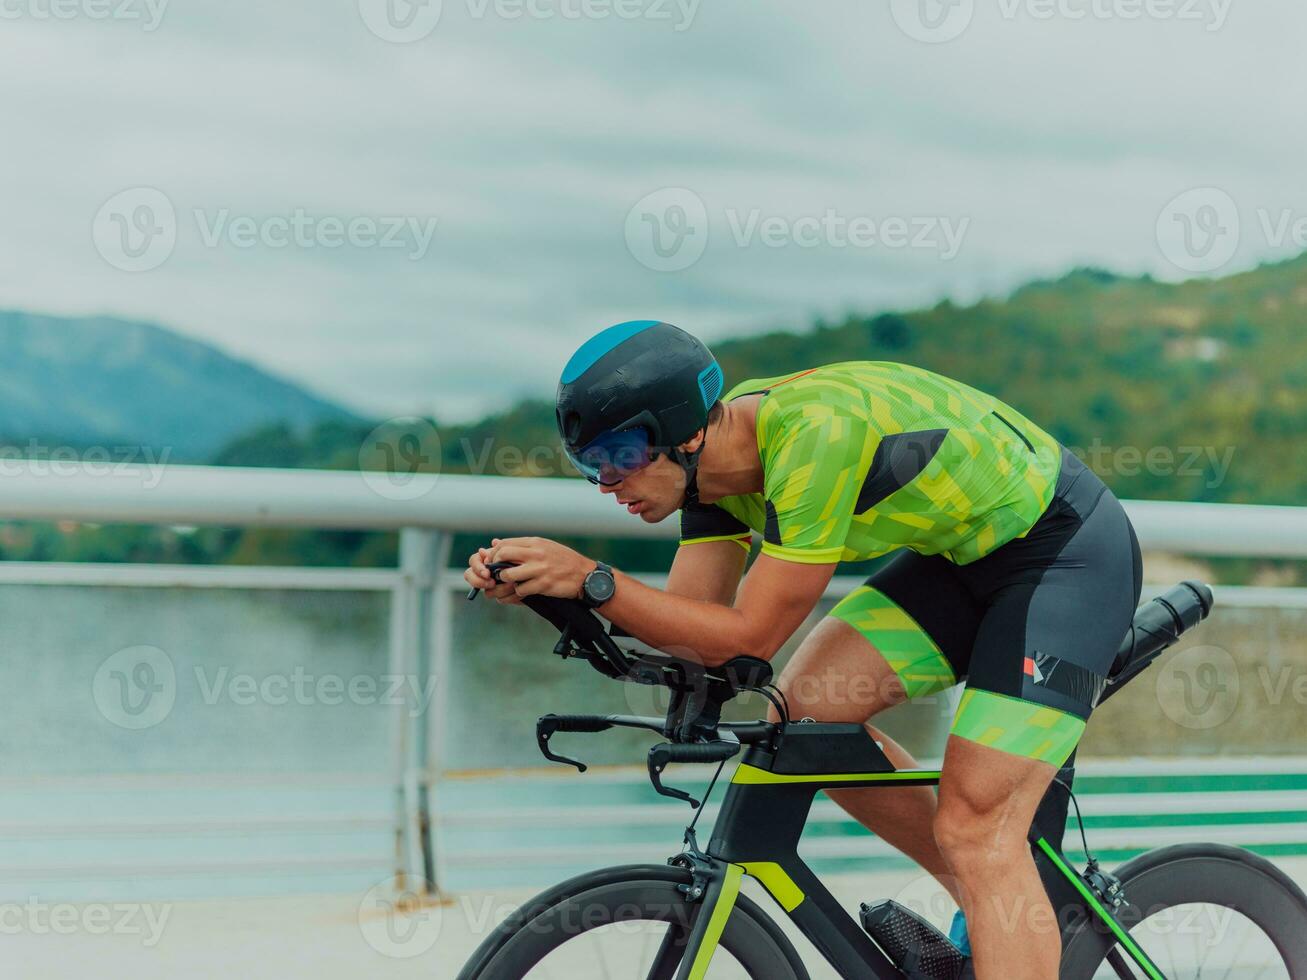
(753, 776)
(1137, 954)
(720, 913)
(779, 885)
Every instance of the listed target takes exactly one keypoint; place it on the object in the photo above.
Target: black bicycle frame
(762, 818)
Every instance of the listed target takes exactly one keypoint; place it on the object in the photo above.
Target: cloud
(529, 140)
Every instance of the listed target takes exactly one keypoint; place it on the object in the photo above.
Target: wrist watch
(599, 586)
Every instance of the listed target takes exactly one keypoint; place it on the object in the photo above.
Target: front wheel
(1200, 910)
(627, 922)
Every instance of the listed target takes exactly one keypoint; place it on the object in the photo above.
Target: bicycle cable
(689, 831)
(782, 706)
(1080, 821)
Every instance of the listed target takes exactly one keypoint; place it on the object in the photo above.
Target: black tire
(626, 894)
(1211, 874)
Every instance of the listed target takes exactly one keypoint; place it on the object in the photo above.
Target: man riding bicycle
(1020, 573)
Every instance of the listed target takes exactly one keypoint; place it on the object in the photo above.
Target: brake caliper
(699, 866)
(1104, 885)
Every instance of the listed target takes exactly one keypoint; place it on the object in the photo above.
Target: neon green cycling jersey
(866, 457)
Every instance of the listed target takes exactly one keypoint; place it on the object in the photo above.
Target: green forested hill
(1190, 391)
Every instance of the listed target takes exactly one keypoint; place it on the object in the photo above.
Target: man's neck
(730, 465)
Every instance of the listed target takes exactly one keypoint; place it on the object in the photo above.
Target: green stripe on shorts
(907, 648)
(1016, 726)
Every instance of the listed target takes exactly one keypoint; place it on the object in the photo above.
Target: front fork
(715, 886)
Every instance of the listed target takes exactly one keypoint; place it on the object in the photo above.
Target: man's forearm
(680, 626)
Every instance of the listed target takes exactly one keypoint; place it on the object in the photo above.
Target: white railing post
(422, 555)
(440, 638)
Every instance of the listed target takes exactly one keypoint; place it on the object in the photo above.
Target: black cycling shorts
(1032, 627)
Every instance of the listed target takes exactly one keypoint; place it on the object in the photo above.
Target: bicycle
(695, 898)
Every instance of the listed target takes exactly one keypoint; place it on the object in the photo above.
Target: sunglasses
(614, 456)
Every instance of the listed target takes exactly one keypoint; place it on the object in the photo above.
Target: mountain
(100, 381)
(1170, 391)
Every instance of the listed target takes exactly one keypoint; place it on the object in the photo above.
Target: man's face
(654, 493)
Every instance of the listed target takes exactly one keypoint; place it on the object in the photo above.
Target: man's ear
(693, 444)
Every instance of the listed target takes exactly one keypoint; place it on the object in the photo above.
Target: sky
(423, 208)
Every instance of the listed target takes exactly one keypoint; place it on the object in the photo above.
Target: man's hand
(479, 577)
(541, 567)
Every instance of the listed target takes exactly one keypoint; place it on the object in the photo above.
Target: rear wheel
(627, 923)
(1200, 910)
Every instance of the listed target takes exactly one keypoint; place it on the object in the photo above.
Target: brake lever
(666, 752)
(659, 756)
(548, 724)
(494, 568)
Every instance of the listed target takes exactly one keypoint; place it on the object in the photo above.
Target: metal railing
(427, 510)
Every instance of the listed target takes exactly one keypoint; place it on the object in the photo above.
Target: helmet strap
(690, 463)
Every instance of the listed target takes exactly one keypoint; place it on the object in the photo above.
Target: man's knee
(836, 675)
(978, 837)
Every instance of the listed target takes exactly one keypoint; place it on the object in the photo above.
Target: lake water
(173, 743)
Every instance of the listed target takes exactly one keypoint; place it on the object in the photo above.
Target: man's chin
(654, 516)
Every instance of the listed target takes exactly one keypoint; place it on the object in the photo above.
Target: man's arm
(709, 571)
(777, 596)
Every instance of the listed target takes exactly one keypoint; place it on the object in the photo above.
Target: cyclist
(1019, 573)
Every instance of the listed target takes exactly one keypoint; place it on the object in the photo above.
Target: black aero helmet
(634, 391)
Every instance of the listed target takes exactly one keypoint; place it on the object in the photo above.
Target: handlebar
(702, 752)
(693, 723)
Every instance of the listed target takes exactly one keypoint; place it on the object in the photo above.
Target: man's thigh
(905, 634)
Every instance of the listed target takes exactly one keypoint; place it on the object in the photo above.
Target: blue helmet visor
(611, 458)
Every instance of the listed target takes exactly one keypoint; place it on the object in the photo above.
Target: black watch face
(600, 586)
